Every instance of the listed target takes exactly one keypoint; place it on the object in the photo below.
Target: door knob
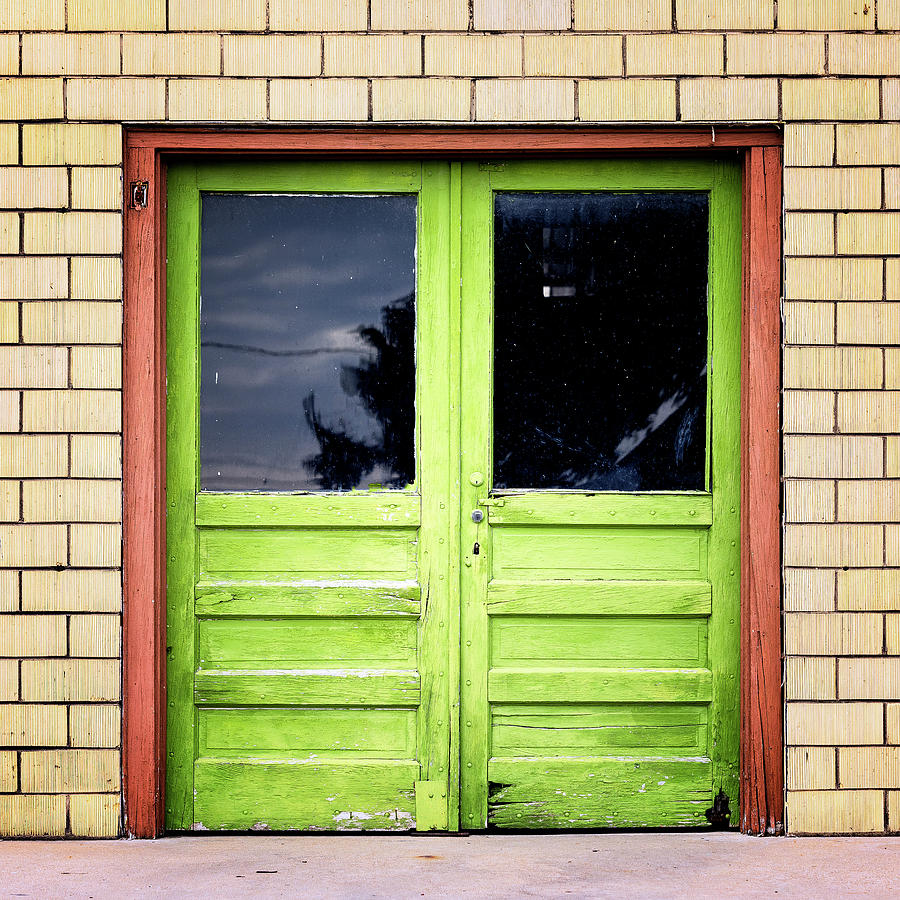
(477, 516)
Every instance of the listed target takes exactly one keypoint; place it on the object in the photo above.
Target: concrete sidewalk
(714, 865)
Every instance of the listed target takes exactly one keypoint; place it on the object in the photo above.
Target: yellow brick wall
(71, 72)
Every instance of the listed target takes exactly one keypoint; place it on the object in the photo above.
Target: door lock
(477, 516)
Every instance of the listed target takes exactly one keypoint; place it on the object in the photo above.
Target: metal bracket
(140, 194)
(431, 806)
(492, 501)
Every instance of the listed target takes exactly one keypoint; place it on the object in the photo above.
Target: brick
(892, 545)
(9, 771)
(807, 144)
(636, 15)
(272, 54)
(835, 368)
(818, 724)
(73, 232)
(9, 144)
(33, 367)
(806, 412)
(67, 680)
(890, 98)
(868, 501)
(32, 725)
(869, 411)
(868, 323)
(893, 723)
(871, 144)
(9, 323)
(808, 590)
(97, 188)
(775, 54)
(70, 54)
(833, 545)
(740, 99)
(869, 679)
(808, 234)
(60, 145)
(892, 457)
(891, 187)
(94, 636)
(515, 100)
(869, 767)
(892, 279)
(808, 501)
(372, 55)
(523, 15)
(72, 322)
(32, 635)
(135, 99)
(573, 54)
(696, 15)
(32, 815)
(95, 726)
(9, 591)
(18, 16)
(95, 545)
(318, 15)
(9, 508)
(808, 323)
(95, 815)
(876, 589)
(171, 54)
(868, 232)
(834, 812)
(71, 500)
(892, 368)
(830, 98)
(31, 98)
(9, 232)
(833, 279)
(96, 456)
(892, 635)
(863, 54)
(33, 187)
(832, 456)
(321, 99)
(420, 15)
(9, 410)
(72, 590)
(32, 545)
(832, 634)
(826, 15)
(9, 54)
(893, 810)
(627, 100)
(9, 680)
(827, 188)
(810, 768)
(889, 15)
(218, 15)
(116, 15)
(479, 54)
(71, 411)
(215, 100)
(809, 678)
(23, 278)
(96, 367)
(53, 771)
(33, 455)
(674, 54)
(96, 278)
(432, 99)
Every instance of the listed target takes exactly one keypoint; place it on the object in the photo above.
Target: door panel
(308, 670)
(600, 660)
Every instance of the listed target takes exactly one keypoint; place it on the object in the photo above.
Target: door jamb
(144, 370)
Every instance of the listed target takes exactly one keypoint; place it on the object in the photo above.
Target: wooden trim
(144, 639)
(762, 765)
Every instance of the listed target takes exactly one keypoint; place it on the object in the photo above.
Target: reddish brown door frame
(144, 570)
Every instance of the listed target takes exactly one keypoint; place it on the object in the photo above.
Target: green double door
(452, 491)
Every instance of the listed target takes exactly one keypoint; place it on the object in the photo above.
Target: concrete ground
(717, 865)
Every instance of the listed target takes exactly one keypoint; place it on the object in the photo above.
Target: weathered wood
(313, 687)
(599, 598)
(762, 769)
(580, 508)
(235, 598)
(306, 796)
(381, 509)
(599, 793)
(597, 685)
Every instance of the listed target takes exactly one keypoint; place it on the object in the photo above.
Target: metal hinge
(140, 193)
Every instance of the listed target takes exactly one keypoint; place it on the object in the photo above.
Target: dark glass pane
(600, 340)
(307, 341)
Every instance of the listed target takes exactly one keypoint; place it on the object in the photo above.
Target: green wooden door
(476, 636)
